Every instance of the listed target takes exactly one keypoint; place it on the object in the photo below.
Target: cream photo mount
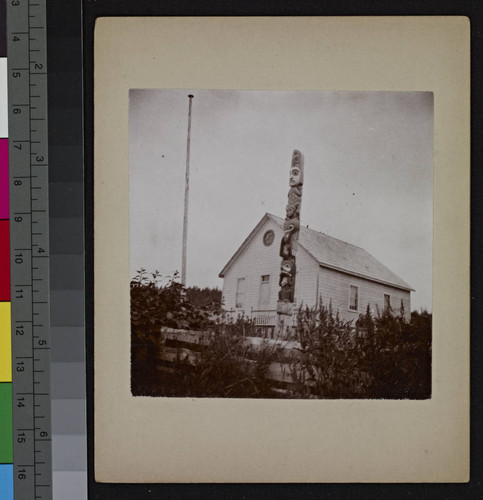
(166, 440)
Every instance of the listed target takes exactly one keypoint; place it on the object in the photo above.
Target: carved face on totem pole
(287, 280)
(288, 267)
(296, 182)
(295, 176)
(292, 210)
(296, 169)
(285, 250)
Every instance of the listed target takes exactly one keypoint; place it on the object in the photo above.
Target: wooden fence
(185, 346)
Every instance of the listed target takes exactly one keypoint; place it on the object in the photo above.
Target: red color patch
(4, 260)
(4, 179)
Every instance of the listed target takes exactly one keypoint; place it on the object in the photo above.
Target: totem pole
(288, 245)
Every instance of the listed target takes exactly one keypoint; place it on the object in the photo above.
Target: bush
(221, 365)
(331, 364)
(401, 356)
(226, 367)
(204, 298)
(155, 305)
(383, 357)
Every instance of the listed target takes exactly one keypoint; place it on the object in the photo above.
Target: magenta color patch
(4, 179)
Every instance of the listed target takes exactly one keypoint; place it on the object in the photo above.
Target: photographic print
(281, 244)
(318, 330)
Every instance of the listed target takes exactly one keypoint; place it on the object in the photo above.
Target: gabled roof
(332, 253)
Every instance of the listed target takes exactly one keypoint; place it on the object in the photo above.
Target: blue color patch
(6, 481)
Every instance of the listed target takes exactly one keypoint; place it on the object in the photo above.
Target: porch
(265, 321)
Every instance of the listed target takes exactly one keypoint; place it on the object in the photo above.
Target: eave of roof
(369, 278)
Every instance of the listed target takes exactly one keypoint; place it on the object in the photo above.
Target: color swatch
(6, 456)
(5, 347)
(4, 197)
(6, 481)
(4, 260)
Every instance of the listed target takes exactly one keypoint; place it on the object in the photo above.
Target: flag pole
(186, 192)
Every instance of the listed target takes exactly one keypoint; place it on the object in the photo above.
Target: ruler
(29, 248)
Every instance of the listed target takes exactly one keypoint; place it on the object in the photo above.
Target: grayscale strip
(29, 247)
(66, 216)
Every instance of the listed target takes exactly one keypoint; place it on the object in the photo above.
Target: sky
(368, 175)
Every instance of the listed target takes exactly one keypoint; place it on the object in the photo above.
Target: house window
(240, 292)
(387, 303)
(264, 299)
(268, 238)
(353, 298)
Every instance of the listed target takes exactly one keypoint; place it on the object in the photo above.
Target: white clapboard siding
(334, 287)
(306, 279)
(256, 260)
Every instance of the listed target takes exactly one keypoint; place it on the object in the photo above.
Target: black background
(65, 21)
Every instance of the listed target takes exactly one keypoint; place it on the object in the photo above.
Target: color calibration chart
(42, 367)
(6, 439)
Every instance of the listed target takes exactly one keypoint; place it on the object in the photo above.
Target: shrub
(221, 365)
(400, 356)
(330, 365)
(383, 357)
(153, 306)
(229, 368)
(204, 298)
(225, 367)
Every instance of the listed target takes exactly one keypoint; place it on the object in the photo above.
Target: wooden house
(327, 268)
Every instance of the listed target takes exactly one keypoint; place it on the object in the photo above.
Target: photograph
(281, 263)
(281, 243)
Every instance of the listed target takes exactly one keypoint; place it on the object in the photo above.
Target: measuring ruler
(29, 248)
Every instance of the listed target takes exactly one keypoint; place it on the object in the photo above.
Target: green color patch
(6, 444)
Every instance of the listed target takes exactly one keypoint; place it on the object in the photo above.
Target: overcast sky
(368, 175)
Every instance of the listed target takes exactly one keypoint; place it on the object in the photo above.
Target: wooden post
(288, 245)
(186, 193)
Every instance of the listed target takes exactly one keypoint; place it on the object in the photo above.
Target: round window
(268, 238)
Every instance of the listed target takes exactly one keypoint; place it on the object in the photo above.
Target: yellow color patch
(5, 343)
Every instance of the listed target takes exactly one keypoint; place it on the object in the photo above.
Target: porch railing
(264, 317)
